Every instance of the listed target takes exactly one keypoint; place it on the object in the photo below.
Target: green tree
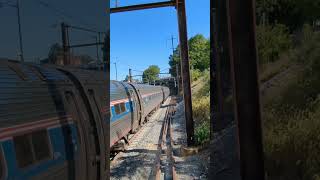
(173, 60)
(151, 73)
(272, 41)
(199, 54)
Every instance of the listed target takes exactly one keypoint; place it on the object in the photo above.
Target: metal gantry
(66, 42)
(183, 39)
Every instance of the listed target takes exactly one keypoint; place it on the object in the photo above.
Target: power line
(136, 70)
(164, 69)
(60, 12)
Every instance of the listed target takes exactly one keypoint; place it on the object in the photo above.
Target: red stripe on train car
(6, 133)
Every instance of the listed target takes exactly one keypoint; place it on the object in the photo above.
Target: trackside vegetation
(288, 44)
(291, 116)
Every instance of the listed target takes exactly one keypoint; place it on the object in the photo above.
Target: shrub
(271, 41)
(195, 74)
(202, 133)
(201, 109)
(201, 115)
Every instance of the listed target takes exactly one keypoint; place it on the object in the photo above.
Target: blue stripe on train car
(129, 109)
(59, 155)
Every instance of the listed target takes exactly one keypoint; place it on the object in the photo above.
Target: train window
(120, 108)
(40, 141)
(117, 109)
(32, 148)
(23, 150)
(123, 107)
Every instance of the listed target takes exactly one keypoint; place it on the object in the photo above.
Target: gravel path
(190, 167)
(225, 164)
(138, 161)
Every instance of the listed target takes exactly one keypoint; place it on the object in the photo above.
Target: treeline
(199, 56)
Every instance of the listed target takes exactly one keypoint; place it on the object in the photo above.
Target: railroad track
(165, 162)
(131, 137)
(161, 146)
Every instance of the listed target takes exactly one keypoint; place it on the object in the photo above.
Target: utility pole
(177, 67)
(130, 75)
(20, 34)
(65, 43)
(97, 48)
(117, 3)
(115, 64)
(17, 5)
(172, 46)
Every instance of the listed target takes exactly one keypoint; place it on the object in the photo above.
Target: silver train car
(130, 105)
(54, 121)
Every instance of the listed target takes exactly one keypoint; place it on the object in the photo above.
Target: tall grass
(201, 111)
(291, 122)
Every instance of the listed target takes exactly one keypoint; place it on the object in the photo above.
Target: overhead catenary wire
(61, 13)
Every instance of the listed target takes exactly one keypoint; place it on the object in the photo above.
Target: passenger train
(54, 121)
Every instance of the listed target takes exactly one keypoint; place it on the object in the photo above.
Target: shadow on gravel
(132, 165)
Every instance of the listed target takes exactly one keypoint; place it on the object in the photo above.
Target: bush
(195, 74)
(201, 108)
(271, 41)
(201, 115)
(202, 133)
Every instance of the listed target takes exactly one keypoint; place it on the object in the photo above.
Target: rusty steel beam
(223, 112)
(185, 69)
(142, 6)
(216, 97)
(244, 68)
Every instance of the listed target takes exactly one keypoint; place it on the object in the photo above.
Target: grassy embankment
(291, 112)
(201, 106)
(290, 107)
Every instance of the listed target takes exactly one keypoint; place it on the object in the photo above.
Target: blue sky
(142, 38)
